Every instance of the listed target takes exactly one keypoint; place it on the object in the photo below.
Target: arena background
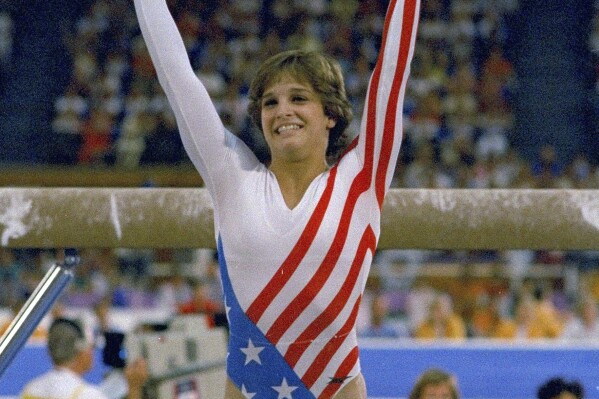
(503, 94)
(484, 370)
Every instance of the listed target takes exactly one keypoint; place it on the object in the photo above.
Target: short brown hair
(434, 376)
(319, 70)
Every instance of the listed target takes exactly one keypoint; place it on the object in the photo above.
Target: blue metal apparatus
(36, 307)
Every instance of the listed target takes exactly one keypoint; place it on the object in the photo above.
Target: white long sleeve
(213, 150)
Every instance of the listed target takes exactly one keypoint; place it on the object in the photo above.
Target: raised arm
(381, 130)
(202, 131)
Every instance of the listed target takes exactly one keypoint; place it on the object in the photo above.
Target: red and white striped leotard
(292, 278)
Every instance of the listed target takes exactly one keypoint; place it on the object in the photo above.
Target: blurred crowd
(457, 134)
(458, 109)
(496, 306)
(467, 304)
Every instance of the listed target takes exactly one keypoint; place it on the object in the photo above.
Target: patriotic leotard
(292, 278)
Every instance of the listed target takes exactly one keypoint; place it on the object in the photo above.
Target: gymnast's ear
(331, 123)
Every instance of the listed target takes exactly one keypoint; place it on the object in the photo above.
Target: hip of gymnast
(296, 234)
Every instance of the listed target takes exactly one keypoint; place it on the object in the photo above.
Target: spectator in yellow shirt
(533, 320)
(442, 321)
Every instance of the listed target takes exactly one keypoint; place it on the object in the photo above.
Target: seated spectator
(532, 321)
(163, 144)
(379, 325)
(558, 388)
(200, 302)
(67, 139)
(435, 384)
(441, 321)
(131, 143)
(486, 317)
(585, 323)
(10, 278)
(72, 357)
(172, 290)
(547, 167)
(97, 134)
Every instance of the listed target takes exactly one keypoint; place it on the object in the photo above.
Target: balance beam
(428, 219)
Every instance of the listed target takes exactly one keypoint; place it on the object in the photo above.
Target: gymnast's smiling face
(294, 122)
(321, 78)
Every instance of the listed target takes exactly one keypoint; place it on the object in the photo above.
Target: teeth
(287, 127)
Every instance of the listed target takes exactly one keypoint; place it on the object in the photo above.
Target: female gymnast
(296, 235)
